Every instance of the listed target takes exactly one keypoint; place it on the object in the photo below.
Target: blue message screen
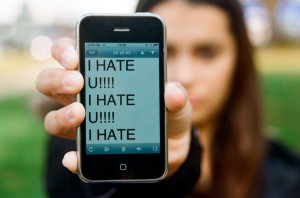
(122, 98)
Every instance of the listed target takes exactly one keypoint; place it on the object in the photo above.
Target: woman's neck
(205, 135)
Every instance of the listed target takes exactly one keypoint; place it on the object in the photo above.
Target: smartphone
(122, 59)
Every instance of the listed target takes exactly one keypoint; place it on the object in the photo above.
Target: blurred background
(28, 28)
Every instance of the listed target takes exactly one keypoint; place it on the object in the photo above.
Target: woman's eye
(206, 53)
(170, 52)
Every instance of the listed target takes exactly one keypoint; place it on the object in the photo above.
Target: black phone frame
(143, 167)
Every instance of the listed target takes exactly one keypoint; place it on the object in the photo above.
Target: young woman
(209, 54)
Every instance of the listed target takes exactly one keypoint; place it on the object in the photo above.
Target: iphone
(122, 59)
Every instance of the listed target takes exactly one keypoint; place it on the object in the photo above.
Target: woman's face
(201, 55)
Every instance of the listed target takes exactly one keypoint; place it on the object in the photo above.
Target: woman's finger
(60, 84)
(179, 109)
(63, 122)
(63, 50)
(70, 161)
(179, 125)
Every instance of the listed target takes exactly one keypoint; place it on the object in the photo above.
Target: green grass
(281, 101)
(22, 143)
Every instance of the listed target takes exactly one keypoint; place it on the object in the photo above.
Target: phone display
(122, 83)
(123, 136)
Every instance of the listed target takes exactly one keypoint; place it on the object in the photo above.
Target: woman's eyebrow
(207, 44)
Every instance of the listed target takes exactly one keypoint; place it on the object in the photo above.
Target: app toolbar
(122, 148)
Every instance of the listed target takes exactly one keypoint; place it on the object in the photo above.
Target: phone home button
(123, 167)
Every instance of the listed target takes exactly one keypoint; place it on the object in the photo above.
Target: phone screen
(122, 98)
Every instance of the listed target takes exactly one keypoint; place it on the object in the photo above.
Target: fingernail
(178, 90)
(64, 161)
(70, 81)
(70, 113)
(67, 58)
(177, 85)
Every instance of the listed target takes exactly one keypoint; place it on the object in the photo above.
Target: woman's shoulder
(280, 172)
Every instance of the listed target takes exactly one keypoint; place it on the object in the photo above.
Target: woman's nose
(183, 70)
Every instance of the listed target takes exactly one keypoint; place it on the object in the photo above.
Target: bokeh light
(287, 15)
(40, 48)
(258, 21)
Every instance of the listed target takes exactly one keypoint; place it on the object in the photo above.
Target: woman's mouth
(194, 101)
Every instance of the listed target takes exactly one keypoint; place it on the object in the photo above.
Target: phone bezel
(147, 28)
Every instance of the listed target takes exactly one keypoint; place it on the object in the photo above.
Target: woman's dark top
(280, 176)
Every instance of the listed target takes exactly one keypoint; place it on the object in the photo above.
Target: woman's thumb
(179, 110)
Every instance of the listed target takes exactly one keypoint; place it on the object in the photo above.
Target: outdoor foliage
(22, 148)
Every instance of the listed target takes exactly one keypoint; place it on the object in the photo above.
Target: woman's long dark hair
(238, 143)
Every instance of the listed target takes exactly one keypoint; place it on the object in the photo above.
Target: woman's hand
(63, 84)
